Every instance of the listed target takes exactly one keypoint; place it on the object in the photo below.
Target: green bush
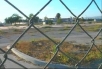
(59, 21)
(50, 22)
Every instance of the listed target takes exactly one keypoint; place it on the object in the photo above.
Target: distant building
(65, 20)
(68, 20)
(53, 19)
(97, 20)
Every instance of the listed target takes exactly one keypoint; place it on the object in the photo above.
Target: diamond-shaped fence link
(31, 24)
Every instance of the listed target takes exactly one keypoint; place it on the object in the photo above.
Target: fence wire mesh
(31, 24)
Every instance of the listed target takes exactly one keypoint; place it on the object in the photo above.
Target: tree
(45, 18)
(58, 18)
(13, 19)
(82, 20)
(31, 15)
(16, 18)
(9, 20)
(49, 21)
(59, 21)
(36, 20)
(58, 15)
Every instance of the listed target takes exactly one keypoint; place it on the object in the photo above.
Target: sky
(33, 6)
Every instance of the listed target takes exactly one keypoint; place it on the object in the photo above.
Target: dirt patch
(45, 49)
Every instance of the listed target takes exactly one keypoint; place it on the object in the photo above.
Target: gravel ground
(10, 35)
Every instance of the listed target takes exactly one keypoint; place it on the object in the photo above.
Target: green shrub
(65, 28)
(50, 22)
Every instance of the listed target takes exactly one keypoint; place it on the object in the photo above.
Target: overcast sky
(32, 6)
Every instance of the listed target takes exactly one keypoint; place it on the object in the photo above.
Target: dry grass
(65, 28)
(3, 32)
(45, 49)
(93, 28)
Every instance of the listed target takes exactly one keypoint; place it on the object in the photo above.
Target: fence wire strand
(31, 24)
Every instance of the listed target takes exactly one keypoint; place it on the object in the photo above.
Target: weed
(89, 28)
(54, 49)
(60, 58)
(65, 28)
(3, 32)
(47, 27)
(93, 55)
(45, 49)
(17, 30)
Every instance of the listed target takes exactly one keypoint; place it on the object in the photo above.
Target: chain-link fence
(31, 24)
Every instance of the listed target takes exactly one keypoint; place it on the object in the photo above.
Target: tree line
(15, 18)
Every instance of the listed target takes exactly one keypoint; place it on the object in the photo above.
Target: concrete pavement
(10, 64)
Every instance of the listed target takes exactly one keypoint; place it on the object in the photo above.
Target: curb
(37, 61)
